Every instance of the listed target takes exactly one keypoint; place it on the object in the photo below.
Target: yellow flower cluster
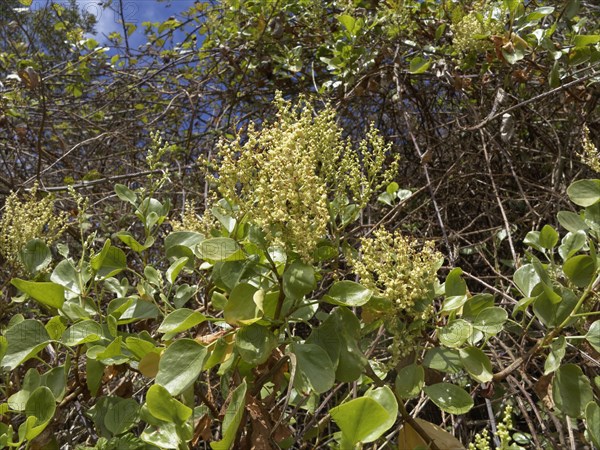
(25, 220)
(191, 221)
(402, 271)
(482, 441)
(472, 29)
(398, 268)
(590, 155)
(284, 176)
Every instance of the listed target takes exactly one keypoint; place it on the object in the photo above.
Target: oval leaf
(449, 397)
(348, 293)
(180, 365)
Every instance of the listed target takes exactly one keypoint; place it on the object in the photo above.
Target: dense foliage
(248, 232)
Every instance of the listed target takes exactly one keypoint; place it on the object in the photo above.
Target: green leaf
(126, 194)
(348, 293)
(30, 383)
(178, 321)
(455, 286)
(571, 244)
(41, 405)
(571, 222)
(449, 398)
(490, 320)
(351, 361)
(132, 243)
(314, 367)
(455, 333)
(298, 280)
(552, 313)
(26, 2)
(593, 335)
(35, 256)
(219, 249)
(526, 278)
(582, 40)
(592, 422)
(477, 364)
(114, 415)
(255, 343)
(180, 365)
(94, 372)
(386, 398)
(418, 65)
(571, 391)
(81, 333)
(557, 353)
(548, 237)
(45, 292)
(348, 22)
(233, 417)
(25, 340)
(188, 239)
(175, 268)
(164, 407)
(580, 269)
(442, 359)
(584, 192)
(360, 419)
(245, 305)
(410, 381)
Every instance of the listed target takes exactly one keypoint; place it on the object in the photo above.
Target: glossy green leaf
(298, 280)
(455, 333)
(56, 380)
(113, 263)
(180, 365)
(35, 256)
(580, 269)
(41, 405)
(132, 243)
(29, 383)
(70, 277)
(571, 391)
(418, 65)
(592, 422)
(477, 364)
(45, 292)
(548, 237)
(584, 192)
(255, 343)
(410, 381)
(233, 417)
(82, 332)
(556, 355)
(164, 407)
(449, 398)
(219, 249)
(26, 2)
(245, 305)
(125, 194)
(490, 320)
(552, 313)
(571, 244)
(175, 268)
(582, 40)
(348, 293)
(94, 373)
(179, 320)
(351, 360)
(25, 340)
(571, 222)
(386, 398)
(360, 419)
(314, 367)
(442, 359)
(328, 338)
(526, 278)
(593, 335)
(455, 286)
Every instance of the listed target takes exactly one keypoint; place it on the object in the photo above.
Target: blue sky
(134, 11)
